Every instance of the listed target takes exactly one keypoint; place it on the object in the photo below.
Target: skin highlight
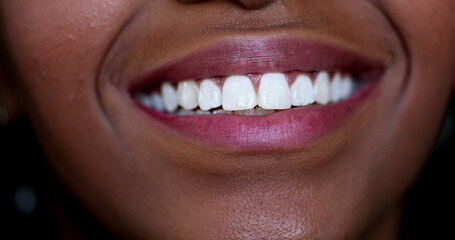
(74, 60)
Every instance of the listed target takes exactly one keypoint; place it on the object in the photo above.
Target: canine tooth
(322, 88)
(209, 95)
(302, 91)
(347, 87)
(336, 88)
(238, 94)
(187, 92)
(274, 92)
(170, 98)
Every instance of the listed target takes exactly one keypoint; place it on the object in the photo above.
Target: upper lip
(250, 54)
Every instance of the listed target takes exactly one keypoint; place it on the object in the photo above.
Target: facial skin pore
(75, 60)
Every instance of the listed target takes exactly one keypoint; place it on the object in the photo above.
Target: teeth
(170, 98)
(274, 92)
(200, 112)
(302, 91)
(261, 111)
(347, 87)
(221, 111)
(336, 93)
(247, 112)
(209, 95)
(156, 102)
(257, 111)
(144, 100)
(184, 112)
(188, 95)
(322, 88)
(238, 94)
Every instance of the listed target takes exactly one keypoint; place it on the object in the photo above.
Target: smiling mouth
(258, 93)
(250, 94)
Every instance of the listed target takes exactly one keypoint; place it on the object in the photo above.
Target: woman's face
(332, 170)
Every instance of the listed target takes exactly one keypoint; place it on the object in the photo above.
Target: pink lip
(259, 55)
(281, 130)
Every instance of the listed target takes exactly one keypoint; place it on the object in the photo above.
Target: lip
(286, 129)
(242, 55)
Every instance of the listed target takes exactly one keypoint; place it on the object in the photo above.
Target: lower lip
(288, 129)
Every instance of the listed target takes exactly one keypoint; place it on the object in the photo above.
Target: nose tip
(249, 4)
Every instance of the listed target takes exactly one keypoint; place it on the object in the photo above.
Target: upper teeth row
(238, 93)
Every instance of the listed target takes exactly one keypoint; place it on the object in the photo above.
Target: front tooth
(238, 94)
(322, 88)
(336, 88)
(274, 92)
(187, 92)
(347, 86)
(209, 95)
(170, 98)
(302, 91)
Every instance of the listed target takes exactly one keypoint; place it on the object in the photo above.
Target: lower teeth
(257, 111)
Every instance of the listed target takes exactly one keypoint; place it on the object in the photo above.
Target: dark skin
(72, 59)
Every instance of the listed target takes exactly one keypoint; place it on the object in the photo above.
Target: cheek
(428, 36)
(58, 46)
